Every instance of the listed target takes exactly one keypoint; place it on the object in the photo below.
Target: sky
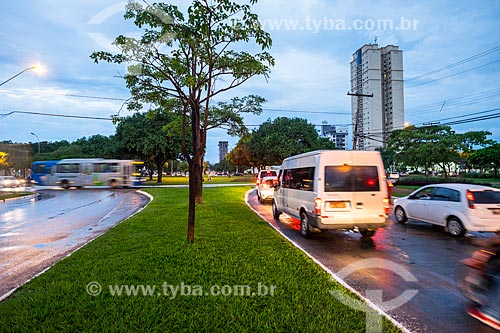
(451, 56)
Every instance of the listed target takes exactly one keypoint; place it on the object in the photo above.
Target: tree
(241, 155)
(488, 157)
(433, 145)
(387, 157)
(98, 146)
(193, 59)
(145, 136)
(283, 137)
(4, 164)
(18, 157)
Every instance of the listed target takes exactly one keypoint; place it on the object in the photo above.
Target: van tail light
(265, 186)
(470, 199)
(387, 205)
(317, 206)
(390, 187)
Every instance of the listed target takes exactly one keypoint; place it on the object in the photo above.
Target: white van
(333, 189)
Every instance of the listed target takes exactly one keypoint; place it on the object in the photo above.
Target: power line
(456, 102)
(305, 111)
(125, 99)
(4, 115)
(455, 122)
(461, 62)
(455, 74)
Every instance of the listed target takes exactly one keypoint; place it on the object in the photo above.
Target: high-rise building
(377, 71)
(337, 135)
(223, 150)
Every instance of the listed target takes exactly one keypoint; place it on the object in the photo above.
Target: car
(9, 181)
(265, 189)
(394, 177)
(456, 207)
(265, 173)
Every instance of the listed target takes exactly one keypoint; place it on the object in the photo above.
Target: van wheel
(367, 232)
(305, 230)
(276, 212)
(400, 215)
(455, 227)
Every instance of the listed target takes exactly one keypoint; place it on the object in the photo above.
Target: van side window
(346, 178)
(299, 179)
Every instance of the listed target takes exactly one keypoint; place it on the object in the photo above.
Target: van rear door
(353, 193)
(369, 194)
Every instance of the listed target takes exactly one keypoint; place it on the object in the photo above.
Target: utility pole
(355, 133)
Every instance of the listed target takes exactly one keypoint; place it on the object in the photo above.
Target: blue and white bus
(42, 173)
(80, 172)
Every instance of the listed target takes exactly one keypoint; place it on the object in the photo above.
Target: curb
(337, 278)
(26, 197)
(10, 292)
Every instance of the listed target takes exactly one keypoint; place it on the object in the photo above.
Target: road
(429, 254)
(34, 234)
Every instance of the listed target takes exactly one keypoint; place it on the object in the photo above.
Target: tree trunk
(195, 194)
(159, 168)
(195, 170)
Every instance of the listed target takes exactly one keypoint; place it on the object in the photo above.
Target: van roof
(318, 152)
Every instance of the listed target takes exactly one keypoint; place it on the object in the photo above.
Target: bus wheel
(65, 184)
(305, 230)
(114, 183)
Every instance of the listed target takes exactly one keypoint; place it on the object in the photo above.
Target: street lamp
(38, 69)
(36, 136)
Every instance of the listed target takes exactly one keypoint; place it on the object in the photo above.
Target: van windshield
(348, 178)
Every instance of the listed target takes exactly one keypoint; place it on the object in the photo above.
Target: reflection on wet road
(429, 254)
(34, 234)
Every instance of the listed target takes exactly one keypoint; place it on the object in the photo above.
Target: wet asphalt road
(34, 234)
(429, 254)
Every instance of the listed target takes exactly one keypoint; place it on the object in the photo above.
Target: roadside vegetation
(179, 180)
(10, 195)
(233, 247)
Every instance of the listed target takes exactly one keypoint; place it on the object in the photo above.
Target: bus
(41, 173)
(80, 172)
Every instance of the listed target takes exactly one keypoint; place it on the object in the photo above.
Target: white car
(457, 207)
(265, 189)
(9, 181)
(265, 173)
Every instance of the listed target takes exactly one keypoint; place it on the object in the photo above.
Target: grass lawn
(10, 195)
(403, 190)
(178, 180)
(232, 247)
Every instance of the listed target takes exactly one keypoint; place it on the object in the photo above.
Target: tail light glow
(317, 206)
(470, 199)
(387, 206)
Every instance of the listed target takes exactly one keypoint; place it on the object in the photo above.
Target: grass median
(233, 248)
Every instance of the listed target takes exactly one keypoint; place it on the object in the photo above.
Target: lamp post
(38, 68)
(36, 136)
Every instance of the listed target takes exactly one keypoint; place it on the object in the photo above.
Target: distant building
(337, 135)
(377, 71)
(223, 150)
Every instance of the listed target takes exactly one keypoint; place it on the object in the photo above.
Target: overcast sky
(313, 43)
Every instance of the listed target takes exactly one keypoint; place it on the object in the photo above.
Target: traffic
(308, 199)
(87, 172)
